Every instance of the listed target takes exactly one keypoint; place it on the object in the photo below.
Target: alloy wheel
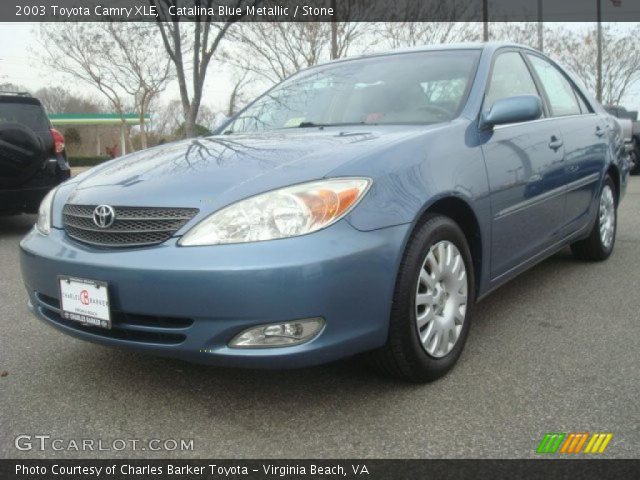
(441, 298)
(607, 217)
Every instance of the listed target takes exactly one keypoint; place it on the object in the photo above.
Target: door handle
(555, 143)
(599, 131)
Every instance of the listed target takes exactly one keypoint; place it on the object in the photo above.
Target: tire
(404, 355)
(598, 246)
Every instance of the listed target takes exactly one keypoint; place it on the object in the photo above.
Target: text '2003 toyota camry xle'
(360, 206)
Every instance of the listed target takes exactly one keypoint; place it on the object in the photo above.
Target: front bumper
(188, 302)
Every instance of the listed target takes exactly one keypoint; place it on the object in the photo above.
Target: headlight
(44, 213)
(283, 213)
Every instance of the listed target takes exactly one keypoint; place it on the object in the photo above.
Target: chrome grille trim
(133, 226)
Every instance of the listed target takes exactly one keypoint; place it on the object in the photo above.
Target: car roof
(490, 47)
(15, 98)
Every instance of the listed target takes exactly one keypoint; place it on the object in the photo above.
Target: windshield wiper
(309, 125)
(322, 125)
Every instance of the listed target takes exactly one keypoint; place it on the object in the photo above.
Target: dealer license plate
(85, 301)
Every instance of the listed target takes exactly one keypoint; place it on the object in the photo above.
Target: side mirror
(521, 108)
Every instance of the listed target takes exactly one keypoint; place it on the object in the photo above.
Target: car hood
(211, 172)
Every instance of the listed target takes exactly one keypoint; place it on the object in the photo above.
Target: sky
(19, 64)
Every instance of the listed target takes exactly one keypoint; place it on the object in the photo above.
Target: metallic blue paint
(340, 274)
(531, 188)
(521, 108)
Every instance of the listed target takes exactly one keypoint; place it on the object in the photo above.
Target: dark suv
(622, 113)
(32, 154)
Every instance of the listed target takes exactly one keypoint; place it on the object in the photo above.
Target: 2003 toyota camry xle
(362, 206)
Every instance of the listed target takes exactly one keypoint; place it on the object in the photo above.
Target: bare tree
(169, 119)
(450, 27)
(621, 58)
(12, 87)
(237, 95)
(108, 57)
(275, 50)
(351, 36)
(524, 33)
(61, 100)
(201, 38)
(144, 72)
(349, 33)
(411, 34)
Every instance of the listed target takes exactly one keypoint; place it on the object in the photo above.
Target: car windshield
(27, 114)
(411, 88)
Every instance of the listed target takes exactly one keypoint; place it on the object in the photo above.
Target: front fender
(411, 176)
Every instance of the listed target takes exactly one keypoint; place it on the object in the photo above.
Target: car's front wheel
(432, 304)
(599, 245)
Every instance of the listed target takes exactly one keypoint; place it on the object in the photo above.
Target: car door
(526, 172)
(584, 135)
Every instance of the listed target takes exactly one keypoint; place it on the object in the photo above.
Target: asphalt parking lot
(556, 350)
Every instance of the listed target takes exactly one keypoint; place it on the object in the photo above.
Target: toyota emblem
(104, 216)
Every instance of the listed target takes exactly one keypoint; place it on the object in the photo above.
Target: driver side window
(510, 77)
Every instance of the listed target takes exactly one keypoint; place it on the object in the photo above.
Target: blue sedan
(359, 207)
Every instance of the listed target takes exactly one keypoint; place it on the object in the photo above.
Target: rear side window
(510, 77)
(562, 97)
(28, 114)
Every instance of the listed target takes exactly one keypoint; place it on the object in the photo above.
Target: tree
(206, 118)
(348, 33)
(201, 39)
(448, 29)
(524, 33)
(621, 58)
(108, 57)
(169, 120)
(275, 50)
(201, 131)
(411, 34)
(237, 96)
(168, 117)
(12, 87)
(61, 100)
(146, 70)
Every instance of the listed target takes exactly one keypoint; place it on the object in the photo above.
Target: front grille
(133, 226)
(124, 326)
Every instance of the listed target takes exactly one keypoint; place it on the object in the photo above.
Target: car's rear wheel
(599, 244)
(432, 304)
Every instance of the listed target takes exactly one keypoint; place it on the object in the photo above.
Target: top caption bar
(319, 10)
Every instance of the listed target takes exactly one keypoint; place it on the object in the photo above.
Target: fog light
(278, 334)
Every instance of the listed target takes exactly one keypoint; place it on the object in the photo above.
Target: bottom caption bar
(330, 469)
